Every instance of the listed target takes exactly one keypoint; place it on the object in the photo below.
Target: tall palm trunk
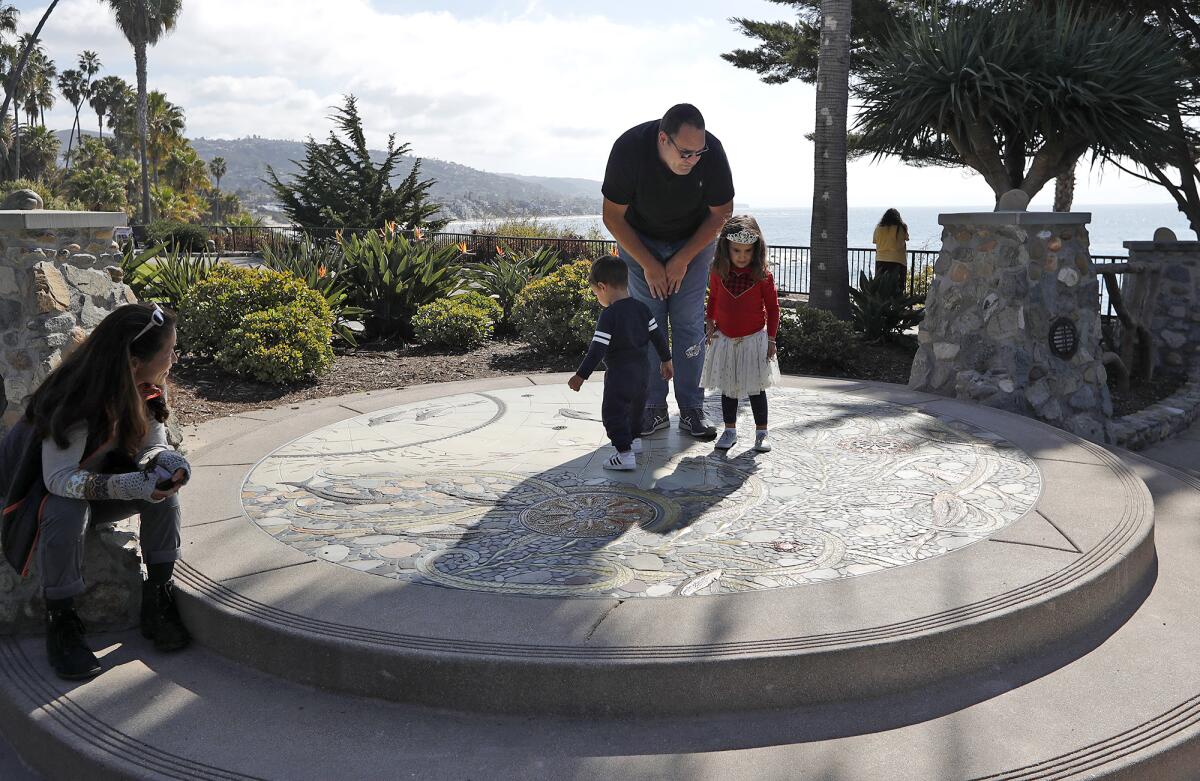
(17, 140)
(139, 56)
(75, 128)
(829, 269)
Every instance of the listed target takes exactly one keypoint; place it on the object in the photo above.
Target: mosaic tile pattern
(504, 491)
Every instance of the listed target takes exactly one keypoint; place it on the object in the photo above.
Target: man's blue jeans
(682, 313)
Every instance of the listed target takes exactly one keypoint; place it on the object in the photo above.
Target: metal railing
(790, 265)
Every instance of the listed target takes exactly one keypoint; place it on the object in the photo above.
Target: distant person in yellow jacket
(891, 250)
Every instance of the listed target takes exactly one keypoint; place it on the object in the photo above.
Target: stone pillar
(1176, 321)
(1013, 318)
(59, 277)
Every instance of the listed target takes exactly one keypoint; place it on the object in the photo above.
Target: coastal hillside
(466, 193)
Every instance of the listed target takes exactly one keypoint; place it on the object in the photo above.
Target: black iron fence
(790, 265)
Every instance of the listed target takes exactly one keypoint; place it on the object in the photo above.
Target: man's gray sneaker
(654, 420)
(728, 439)
(693, 422)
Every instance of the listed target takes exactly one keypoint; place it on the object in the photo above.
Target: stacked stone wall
(53, 291)
(1175, 325)
(1000, 282)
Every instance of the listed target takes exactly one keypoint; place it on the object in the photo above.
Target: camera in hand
(166, 478)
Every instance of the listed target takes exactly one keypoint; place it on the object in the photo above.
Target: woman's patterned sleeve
(64, 477)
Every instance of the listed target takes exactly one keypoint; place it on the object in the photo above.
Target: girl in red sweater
(741, 321)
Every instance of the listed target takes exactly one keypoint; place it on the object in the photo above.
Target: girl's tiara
(743, 236)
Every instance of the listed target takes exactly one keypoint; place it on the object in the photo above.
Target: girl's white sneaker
(622, 462)
(728, 439)
(762, 443)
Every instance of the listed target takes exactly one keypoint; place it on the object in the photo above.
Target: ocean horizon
(1111, 224)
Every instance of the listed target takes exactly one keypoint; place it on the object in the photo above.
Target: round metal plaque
(1064, 338)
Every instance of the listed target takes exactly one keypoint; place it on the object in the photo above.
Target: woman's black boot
(160, 617)
(69, 654)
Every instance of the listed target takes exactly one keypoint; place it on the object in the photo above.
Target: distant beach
(1111, 225)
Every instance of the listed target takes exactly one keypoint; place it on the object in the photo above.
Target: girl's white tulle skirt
(739, 367)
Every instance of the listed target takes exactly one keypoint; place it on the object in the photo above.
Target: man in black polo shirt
(667, 192)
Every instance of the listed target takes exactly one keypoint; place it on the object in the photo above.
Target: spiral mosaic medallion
(504, 492)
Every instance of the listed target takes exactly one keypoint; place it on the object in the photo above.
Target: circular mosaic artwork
(504, 491)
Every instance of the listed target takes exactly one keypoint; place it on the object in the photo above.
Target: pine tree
(339, 186)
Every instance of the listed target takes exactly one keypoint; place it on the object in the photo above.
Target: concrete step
(1082, 554)
(1124, 702)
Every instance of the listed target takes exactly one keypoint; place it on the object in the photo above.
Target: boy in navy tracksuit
(622, 331)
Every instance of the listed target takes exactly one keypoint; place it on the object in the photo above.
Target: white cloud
(536, 91)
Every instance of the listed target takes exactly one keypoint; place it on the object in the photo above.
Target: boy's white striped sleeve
(602, 337)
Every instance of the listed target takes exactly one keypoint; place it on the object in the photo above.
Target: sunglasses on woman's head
(157, 318)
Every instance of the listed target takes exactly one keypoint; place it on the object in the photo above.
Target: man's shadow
(567, 531)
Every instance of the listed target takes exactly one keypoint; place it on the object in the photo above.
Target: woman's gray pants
(64, 522)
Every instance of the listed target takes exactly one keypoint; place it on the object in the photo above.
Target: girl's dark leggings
(758, 404)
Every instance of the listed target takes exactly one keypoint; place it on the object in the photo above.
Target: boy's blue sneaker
(654, 420)
(693, 422)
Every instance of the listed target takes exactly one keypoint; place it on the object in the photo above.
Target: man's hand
(656, 279)
(575, 383)
(676, 270)
(771, 351)
(668, 370)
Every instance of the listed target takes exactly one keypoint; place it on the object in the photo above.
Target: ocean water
(1111, 224)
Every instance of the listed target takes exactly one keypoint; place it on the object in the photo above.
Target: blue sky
(538, 87)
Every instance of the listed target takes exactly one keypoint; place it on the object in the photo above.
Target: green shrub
(922, 281)
(453, 323)
(392, 275)
(217, 305)
(880, 308)
(281, 345)
(485, 304)
(322, 266)
(812, 339)
(557, 314)
(507, 274)
(177, 235)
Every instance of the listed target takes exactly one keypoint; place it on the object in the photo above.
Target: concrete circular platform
(505, 491)
(461, 545)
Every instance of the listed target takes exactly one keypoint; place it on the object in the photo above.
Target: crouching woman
(104, 456)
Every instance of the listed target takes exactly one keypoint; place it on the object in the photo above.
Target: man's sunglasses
(687, 154)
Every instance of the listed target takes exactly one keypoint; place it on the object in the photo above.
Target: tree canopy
(1019, 91)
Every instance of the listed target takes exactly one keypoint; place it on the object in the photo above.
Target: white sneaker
(622, 462)
(637, 445)
(762, 443)
(728, 439)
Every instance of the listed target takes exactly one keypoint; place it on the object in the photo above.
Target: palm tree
(40, 148)
(89, 66)
(8, 23)
(830, 288)
(143, 23)
(166, 124)
(217, 168)
(70, 84)
(106, 93)
(39, 75)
